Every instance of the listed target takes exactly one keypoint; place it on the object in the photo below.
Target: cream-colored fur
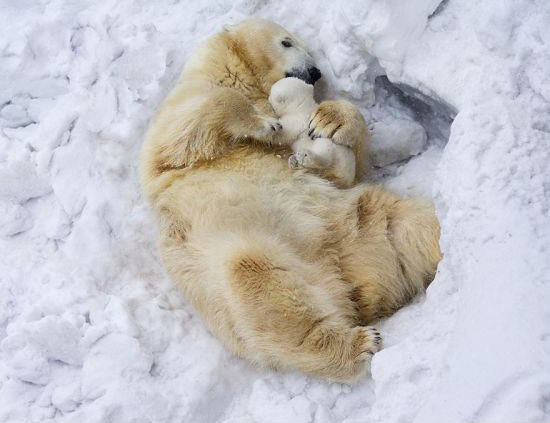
(284, 267)
(292, 100)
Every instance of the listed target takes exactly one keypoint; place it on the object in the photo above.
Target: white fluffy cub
(292, 100)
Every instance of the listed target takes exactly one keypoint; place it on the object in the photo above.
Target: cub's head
(290, 94)
(272, 52)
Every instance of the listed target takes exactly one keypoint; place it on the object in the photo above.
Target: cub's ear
(278, 101)
(280, 98)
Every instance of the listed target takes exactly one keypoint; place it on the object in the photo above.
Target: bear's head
(289, 95)
(271, 52)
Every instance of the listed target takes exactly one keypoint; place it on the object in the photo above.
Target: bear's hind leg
(296, 315)
(393, 252)
(414, 231)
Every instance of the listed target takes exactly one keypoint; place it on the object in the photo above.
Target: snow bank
(92, 330)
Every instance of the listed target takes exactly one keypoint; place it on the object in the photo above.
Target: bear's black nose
(308, 75)
(314, 73)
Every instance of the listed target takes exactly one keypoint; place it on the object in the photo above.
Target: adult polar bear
(283, 266)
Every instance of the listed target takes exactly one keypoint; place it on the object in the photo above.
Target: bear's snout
(308, 75)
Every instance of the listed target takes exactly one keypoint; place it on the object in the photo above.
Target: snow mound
(395, 141)
(92, 330)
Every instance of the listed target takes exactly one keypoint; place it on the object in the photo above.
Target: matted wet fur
(285, 268)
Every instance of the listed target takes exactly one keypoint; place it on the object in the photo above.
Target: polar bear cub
(292, 100)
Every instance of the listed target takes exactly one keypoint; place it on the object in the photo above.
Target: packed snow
(457, 94)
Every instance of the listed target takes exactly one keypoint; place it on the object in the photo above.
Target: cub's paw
(268, 128)
(339, 120)
(298, 159)
(305, 159)
(367, 341)
(293, 162)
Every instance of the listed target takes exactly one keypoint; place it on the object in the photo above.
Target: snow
(92, 330)
(396, 140)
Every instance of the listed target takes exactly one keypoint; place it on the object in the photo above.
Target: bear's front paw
(268, 128)
(340, 121)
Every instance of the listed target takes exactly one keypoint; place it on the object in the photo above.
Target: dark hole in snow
(433, 114)
(409, 130)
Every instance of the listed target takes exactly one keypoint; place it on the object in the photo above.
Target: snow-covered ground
(92, 330)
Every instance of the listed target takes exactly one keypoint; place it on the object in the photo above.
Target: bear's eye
(286, 43)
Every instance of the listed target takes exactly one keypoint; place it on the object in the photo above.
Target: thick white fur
(283, 266)
(292, 100)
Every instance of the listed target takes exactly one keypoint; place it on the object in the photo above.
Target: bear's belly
(261, 196)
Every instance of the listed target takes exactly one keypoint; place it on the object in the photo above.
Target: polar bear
(292, 100)
(283, 266)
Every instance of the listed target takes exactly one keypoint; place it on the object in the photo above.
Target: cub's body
(292, 100)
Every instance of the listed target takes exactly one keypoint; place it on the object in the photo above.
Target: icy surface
(92, 330)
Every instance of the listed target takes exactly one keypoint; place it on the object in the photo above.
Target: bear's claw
(368, 341)
(338, 120)
(268, 129)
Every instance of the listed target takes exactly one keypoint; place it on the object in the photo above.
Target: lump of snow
(395, 140)
(14, 219)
